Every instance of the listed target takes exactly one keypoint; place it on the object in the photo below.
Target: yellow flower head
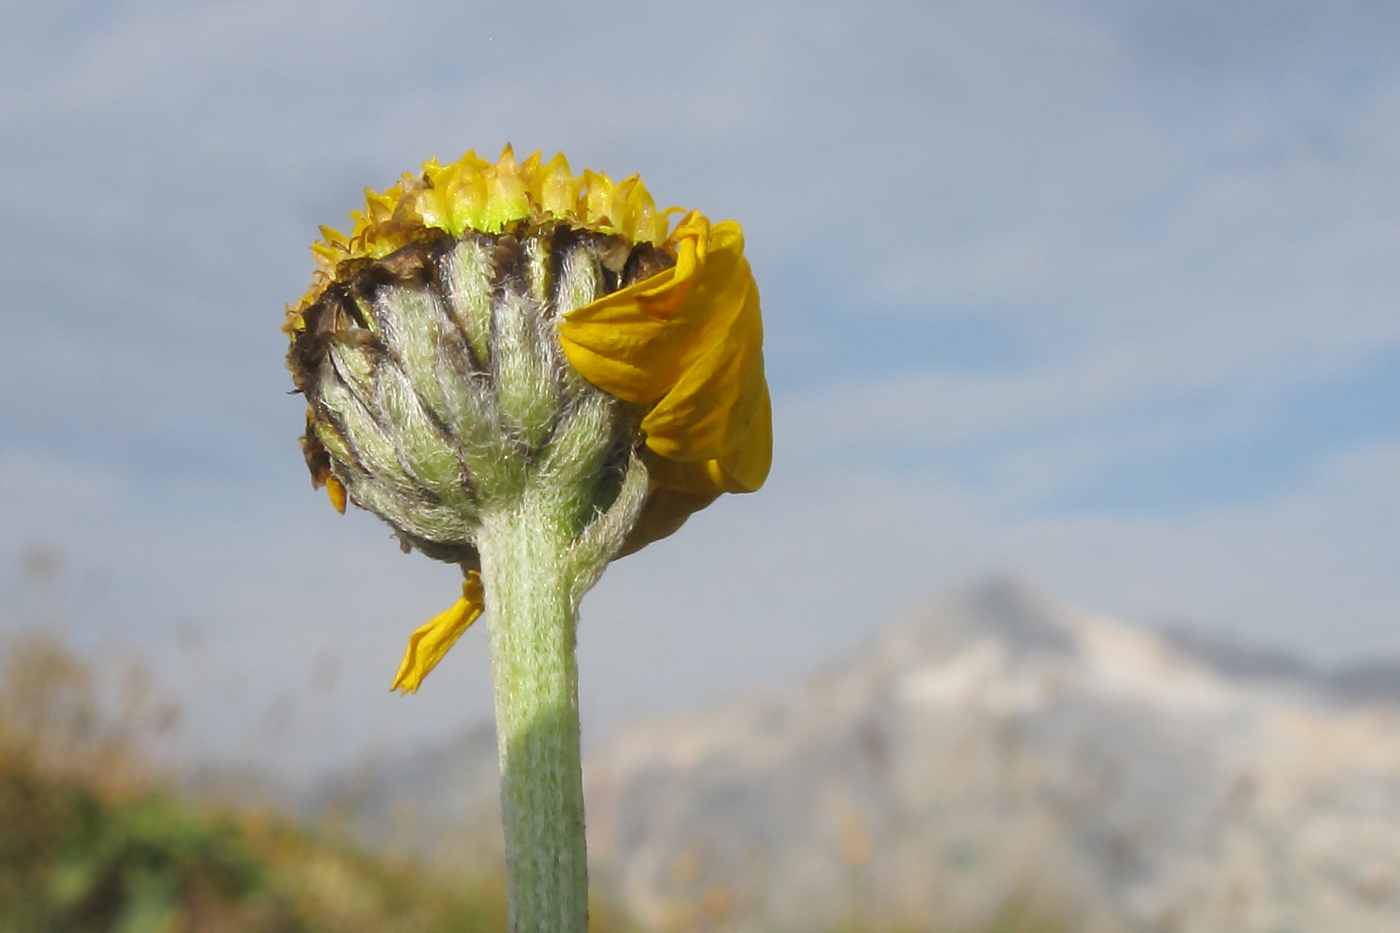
(472, 194)
(664, 320)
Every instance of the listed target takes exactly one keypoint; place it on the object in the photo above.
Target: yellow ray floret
(688, 344)
(432, 640)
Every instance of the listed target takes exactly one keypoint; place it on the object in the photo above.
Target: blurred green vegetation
(92, 840)
(71, 860)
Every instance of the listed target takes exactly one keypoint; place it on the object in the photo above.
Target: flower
(441, 343)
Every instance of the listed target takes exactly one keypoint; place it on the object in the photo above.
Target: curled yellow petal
(688, 344)
(428, 645)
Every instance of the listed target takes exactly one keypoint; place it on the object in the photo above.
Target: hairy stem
(535, 570)
(533, 665)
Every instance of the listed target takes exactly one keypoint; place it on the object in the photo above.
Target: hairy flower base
(436, 380)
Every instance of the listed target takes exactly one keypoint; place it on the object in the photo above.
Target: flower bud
(508, 340)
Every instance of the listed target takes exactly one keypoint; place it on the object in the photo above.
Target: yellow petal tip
(432, 640)
(336, 491)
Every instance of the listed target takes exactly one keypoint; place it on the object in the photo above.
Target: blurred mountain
(440, 804)
(997, 748)
(1371, 681)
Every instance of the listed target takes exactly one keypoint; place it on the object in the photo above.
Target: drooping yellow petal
(688, 344)
(431, 641)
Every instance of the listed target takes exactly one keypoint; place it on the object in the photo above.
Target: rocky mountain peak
(1010, 608)
(998, 746)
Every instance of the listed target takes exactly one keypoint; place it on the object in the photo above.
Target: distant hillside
(441, 803)
(1375, 681)
(997, 748)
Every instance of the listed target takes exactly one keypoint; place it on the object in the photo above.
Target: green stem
(532, 637)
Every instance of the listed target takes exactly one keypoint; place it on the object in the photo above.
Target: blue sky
(1101, 292)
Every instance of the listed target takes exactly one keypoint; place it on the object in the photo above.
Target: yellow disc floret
(473, 194)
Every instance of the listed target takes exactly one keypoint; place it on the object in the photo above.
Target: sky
(1099, 293)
